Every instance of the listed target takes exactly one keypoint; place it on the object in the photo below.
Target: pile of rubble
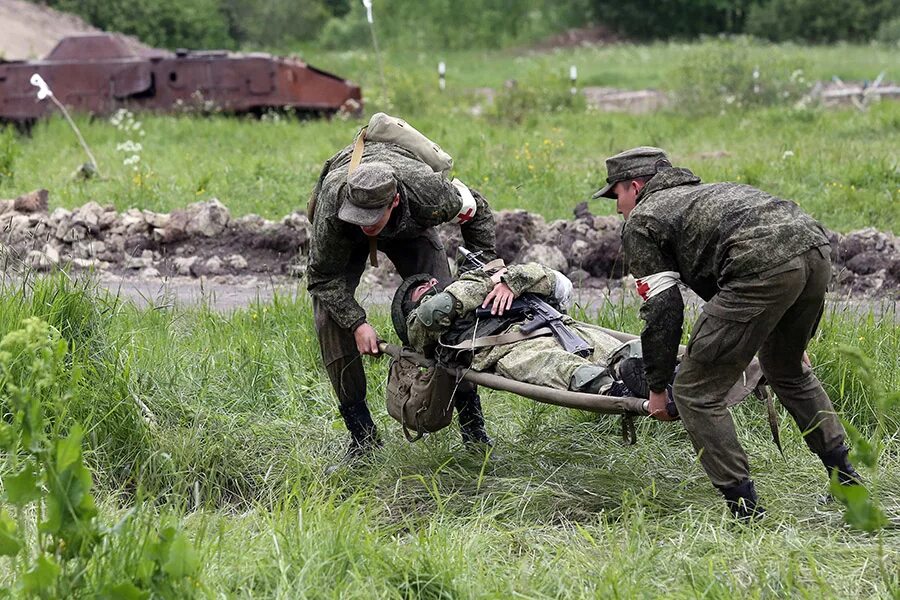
(204, 240)
(201, 240)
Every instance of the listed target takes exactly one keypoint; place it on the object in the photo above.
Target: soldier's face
(422, 289)
(626, 196)
(373, 230)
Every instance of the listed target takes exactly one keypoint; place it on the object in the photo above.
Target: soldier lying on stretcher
(442, 320)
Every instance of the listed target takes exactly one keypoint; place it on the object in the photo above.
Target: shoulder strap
(500, 339)
(358, 147)
(355, 159)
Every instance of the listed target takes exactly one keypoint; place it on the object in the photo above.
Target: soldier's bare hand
(501, 297)
(657, 406)
(366, 339)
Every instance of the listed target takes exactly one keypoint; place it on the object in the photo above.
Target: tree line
(450, 24)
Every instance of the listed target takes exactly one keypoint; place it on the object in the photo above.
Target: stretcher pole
(609, 405)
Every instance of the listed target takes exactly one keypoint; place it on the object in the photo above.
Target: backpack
(419, 397)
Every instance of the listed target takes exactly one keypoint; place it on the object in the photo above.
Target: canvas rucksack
(419, 397)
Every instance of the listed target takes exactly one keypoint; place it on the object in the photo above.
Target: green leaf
(22, 487)
(68, 450)
(182, 561)
(123, 591)
(10, 544)
(862, 512)
(7, 436)
(41, 576)
(863, 451)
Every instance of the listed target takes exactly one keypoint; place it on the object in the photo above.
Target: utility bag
(419, 397)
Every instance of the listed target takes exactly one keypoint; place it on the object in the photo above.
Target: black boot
(364, 439)
(471, 420)
(742, 501)
(836, 461)
(631, 372)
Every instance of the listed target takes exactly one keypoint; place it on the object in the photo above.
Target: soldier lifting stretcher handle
(542, 315)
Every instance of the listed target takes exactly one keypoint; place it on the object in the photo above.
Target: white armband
(651, 285)
(467, 210)
(562, 290)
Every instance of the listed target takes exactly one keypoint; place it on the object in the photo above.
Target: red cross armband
(651, 285)
(467, 210)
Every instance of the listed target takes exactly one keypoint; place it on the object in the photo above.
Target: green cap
(372, 188)
(642, 161)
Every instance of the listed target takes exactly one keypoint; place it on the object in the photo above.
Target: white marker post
(573, 77)
(442, 71)
(371, 20)
(45, 92)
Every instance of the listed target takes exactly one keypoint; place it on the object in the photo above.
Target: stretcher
(629, 407)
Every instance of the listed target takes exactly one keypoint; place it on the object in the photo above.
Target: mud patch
(203, 240)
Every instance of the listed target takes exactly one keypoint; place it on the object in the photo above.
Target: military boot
(836, 461)
(471, 419)
(743, 502)
(364, 439)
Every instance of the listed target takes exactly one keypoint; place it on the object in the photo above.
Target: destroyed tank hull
(98, 74)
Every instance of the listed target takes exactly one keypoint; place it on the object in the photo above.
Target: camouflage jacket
(708, 234)
(426, 199)
(469, 291)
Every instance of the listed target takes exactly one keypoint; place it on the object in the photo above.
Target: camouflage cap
(631, 164)
(402, 303)
(372, 187)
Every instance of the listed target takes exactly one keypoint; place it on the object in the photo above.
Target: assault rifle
(538, 314)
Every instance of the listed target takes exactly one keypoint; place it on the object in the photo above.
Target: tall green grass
(839, 165)
(238, 423)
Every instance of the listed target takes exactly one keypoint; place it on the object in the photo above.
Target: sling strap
(355, 159)
(500, 339)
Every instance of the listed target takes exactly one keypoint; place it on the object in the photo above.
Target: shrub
(819, 21)
(648, 19)
(521, 100)
(889, 32)
(737, 73)
(349, 31)
(165, 23)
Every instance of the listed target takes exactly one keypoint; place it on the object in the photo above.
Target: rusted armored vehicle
(99, 73)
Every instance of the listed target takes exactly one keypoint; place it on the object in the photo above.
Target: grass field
(243, 426)
(208, 433)
(840, 165)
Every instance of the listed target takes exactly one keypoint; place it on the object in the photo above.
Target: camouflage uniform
(539, 361)
(338, 253)
(763, 266)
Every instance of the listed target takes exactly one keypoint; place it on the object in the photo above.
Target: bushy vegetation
(457, 24)
(739, 73)
(819, 22)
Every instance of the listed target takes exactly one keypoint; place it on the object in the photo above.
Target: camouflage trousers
(542, 361)
(424, 254)
(773, 314)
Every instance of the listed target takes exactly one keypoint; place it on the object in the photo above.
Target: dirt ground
(30, 30)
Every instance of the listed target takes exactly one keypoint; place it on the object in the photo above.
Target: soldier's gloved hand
(501, 297)
(366, 339)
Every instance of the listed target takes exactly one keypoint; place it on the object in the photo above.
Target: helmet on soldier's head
(402, 304)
